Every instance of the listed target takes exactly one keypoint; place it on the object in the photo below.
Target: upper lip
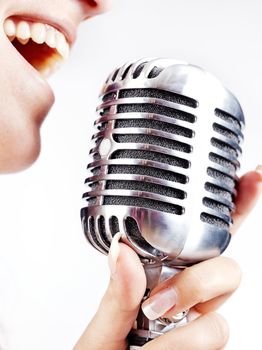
(65, 26)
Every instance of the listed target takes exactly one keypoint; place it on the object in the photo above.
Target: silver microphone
(163, 171)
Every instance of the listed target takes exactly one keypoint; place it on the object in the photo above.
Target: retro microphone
(163, 171)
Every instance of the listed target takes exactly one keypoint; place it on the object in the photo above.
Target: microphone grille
(155, 137)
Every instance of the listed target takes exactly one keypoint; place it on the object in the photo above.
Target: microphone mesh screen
(154, 124)
(139, 70)
(222, 177)
(150, 155)
(226, 132)
(147, 171)
(223, 162)
(153, 140)
(114, 225)
(156, 109)
(144, 203)
(223, 146)
(214, 220)
(159, 94)
(228, 118)
(226, 180)
(145, 187)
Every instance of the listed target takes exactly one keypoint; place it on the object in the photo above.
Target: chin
(22, 152)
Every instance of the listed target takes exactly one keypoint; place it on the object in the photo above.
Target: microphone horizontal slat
(148, 171)
(223, 185)
(154, 154)
(141, 167)
(216, 206)
(228, 118)
(229, 126)
(116, 93)
(143, 162)
(218, 190)
(218, 200)
(224, 165)
(157, 153)
(145, 124)
(214, 220)
(145, 185)
(155, 132)
(156, 139)
(226, 158)
(159, 94)
(221, 178)
(217, 213)
(227, 133)
(131, 193)
(144, 116)
(147, 105)
(131, 177)
(226, 146)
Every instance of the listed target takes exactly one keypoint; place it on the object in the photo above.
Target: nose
(94, 7)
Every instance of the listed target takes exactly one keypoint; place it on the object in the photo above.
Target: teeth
(61, 45)
(10, 27)
(38, 32)
(23, 30)
(51, 37)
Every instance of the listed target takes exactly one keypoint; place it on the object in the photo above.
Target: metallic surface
(174, 239)
(146, 330)
(185, 239)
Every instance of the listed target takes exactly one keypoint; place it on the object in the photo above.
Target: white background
(51, 279)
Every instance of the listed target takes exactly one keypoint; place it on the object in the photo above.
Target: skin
(21, 85)
(25, 100)
(201, 288)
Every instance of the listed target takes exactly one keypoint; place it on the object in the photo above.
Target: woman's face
(43, 32)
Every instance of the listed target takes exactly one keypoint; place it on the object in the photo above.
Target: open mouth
(42, 45)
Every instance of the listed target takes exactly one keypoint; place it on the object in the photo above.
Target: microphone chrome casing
(165, 157)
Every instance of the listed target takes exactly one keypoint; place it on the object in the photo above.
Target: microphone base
(145, 330)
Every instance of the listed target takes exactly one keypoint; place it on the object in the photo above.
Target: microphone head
(164, 163)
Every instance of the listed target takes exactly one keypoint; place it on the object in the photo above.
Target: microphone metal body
(163, 171)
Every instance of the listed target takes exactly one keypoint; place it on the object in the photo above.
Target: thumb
(120, 304)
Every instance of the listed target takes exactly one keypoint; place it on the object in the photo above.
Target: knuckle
(219, 327)
(196, 284)
(235, 271)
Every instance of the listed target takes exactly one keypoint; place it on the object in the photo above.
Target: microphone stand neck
(145, 330)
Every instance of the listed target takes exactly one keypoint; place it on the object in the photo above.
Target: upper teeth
(39, 32)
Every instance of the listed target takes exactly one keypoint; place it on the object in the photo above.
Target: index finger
(249, 190)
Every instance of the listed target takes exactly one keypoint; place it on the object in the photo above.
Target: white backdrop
(53, 280)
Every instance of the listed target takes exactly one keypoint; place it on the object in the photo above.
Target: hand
(202, 288)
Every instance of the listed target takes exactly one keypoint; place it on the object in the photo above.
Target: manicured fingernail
(259, 170)
(157, 305)
(113, 254)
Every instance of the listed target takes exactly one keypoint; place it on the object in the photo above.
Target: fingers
(120, 304)
(209, 282)
(249, 190)
(208, 332)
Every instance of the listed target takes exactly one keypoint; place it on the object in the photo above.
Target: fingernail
(114, 254)
(259, 170)
(157, 305)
